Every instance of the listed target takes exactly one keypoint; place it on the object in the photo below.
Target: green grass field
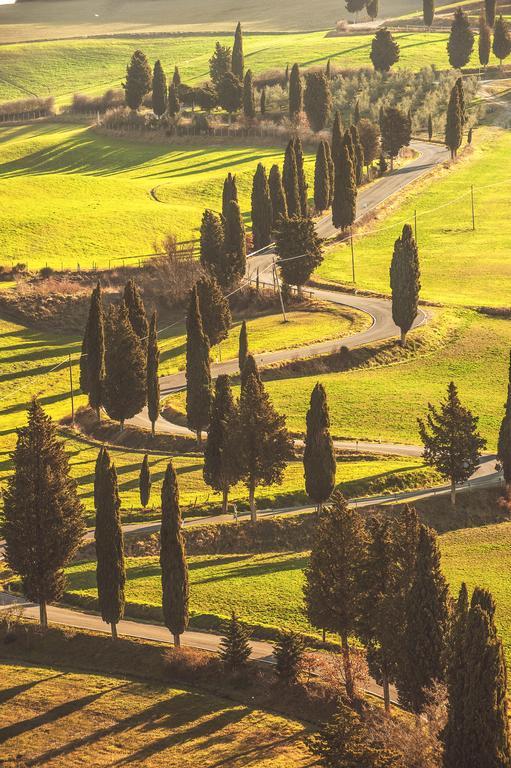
(458, 265)
(58, 717)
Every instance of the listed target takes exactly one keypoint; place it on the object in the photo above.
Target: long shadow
(10, 693)
(259, 569)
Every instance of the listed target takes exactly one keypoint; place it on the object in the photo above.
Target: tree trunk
(43, 616)
(403, 338)
(348, 671)
(225, 500)
(199, 436)
(98, 413)
(453, 493)
(391, 163)
(113, 627)
(153, 430)
(251, 498)
(177, 641)
(319, 507)
(324, 635)
(386, 692)
(122, 425)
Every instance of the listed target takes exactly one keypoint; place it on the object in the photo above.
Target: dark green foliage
(138, 80)
(206, 98)
(110, 569)
(221, 453)
(219, 63)
(484, 46)
(198, 375)
(337, 138)
(299, 249)
(212, 238)
(295, 93)
(237, 64)
(344, 204)
(43, 524)
(451, 441)
(427, 617)
(384, 50)
(136, 311)
(454, 122)
(249, 109)
(504, 451)
(84, 363)
(262, 102)
(243, 346)
(359, 155)
(328, 70)
(173, 105)
(461, 40)
(356, 114)
(318, 453)
(430, 127)
(369, 135)
(322, 194)
(235, 650)
(489, 11)
(453, 735)
(159, 90)
(382, 164)
(461, 94)
(501, 39)
(405, 281)
(288, 653)
(230, 93)
(144, 482)
(348, 143)
(290, 181)
(235, 248)
(176, 77)
(396, 132)
(331, 173)
(214, 310)
(125, 367)
(428, 12)
(317, 100)
(277, 196)
(174, 569)
(153, 382)
(229, 192)
(300, 173)
(93, 365)
(372, 8)
(355, 6)
(249, 368)
(262, 217)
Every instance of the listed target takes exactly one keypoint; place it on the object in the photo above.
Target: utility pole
(71, 391)
(473, 211)
(352, 256)
(277, 282)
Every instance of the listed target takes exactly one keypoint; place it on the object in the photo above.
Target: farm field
(458, 265)
(68, 718)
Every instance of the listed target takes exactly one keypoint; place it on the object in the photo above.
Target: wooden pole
(277, 281)
(71, 391)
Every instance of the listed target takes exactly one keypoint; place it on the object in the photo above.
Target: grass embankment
(458, 265)
(58, 717)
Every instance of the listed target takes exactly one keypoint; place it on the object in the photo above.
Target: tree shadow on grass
(10, 693)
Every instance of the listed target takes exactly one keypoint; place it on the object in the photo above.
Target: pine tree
(173, 105)
(426, 625)
(93, 364)
(214, 309)
(125, 367)
(138, 80)
(176, 77)
(144, 482)
(384, 50)
(265, 444)
(453, 735)
(454, 122)
(153, 382)
(372, 9)
(159, 90)
(110, 569)
(136, 311)
(299, 249)
(221, 460)
(428, 12)
(243, 346)
(430, 127)
(295, 93)
(337, 138)
(318, 453)
(219, 63)
(229, 192)
(212, 239)
(198, 375)
(451, 441)
(288, 653)
(321, 179)
(344, 204)
(262, 216)
(290, 181)
(489, 12)
(235, 650)
(277, 196)
(359, 155)
(249, 109)
(461, 40)
(174, 569)
(262, 102)
(331, 578)
(235, 246)
(237, 64)
(42, 516)
(484, 41)
(317, 100)
(501, 39)
(405, 282)
(395, 132)
(300, 173)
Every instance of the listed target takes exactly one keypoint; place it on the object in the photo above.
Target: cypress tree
(426, 625)
(372, 8)
(489, 12)
(110, 569)
(331, 173)
(461, 94)
(43, 525)
(265, 444)
(235, 650)
(153, 382)
(221, 461)
(235, 247)
(430, 127)
(359, 155)
(84, 364)
(174, 569)
(428, 12)
(230, 93)
(321, 179)
(405, 282)
(395, 129)
(237, 63)
(159, 90)
(504, 452)
(344, 204)
(212, 237)
(384, 50)
(277, 196)
(262, 216)
(249, 109)
(214, 309)
(286, 76)
(176, 77)
(229, 192)
(136, 311)
(94, 349)
(300, 172)
(337, 138)
(356, 114)
(288, 653)
(453, 735)
(461, 40)
(501, 39)
(299, 249)
(173, 105)
(198, 376)
(243, 346)
(144, 482)
(125, 367)
(249, 369)
(290, 181)
(138, 80)
(262, 102)
(295, 93)
(317, 100)
(454, 122)
(318, 454)
(484, 41)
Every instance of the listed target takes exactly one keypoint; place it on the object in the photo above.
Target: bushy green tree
(159, 90)
(174, 568)
(144, 482)
(235, 650)
(396, 132)
(212, 244)
(317, 100)
(384, 50)
(214, 309)
(198, 375)
(230, 93)
(295, 93)
(461, 40)
(222, 467)
(372, 8)
(138, 80)
(318, 454)
(219, 63)
(299, 249)
(369, 134)
(288, 653)
(262, 216)
(405, 282)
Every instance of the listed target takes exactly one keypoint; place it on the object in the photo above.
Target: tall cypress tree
(235, 248)
(176, 77)
(229, 192)
(454, 122)
(331, 173)
(344, 204)
(84, 369)
(504, 441)
(159, 90)
(153, 382)
(489, 11)
(94, 349)
(136, 311)
(174, 569)
(453, 735)
(318, 454)
(110, 569)
(138, 80)
(173, 103)
(321, 179)
(262, 217)
(295, 93)
(317, 100)
(249, 109)
(221, 459)
(337, 137)
(198, 376)
(501, 39)
(144, 482)
(430, 127)
(484, 46)
(461, 40)
(125, 367)
(262, 102)
(359, 155)
(290, 181)
(243, 346)
(277, 196)
(43, 516)
(212, 239)
(428, 12)
(405, 282)
(347, 140)
(237, 63)
(214, 309)
(300, 172)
